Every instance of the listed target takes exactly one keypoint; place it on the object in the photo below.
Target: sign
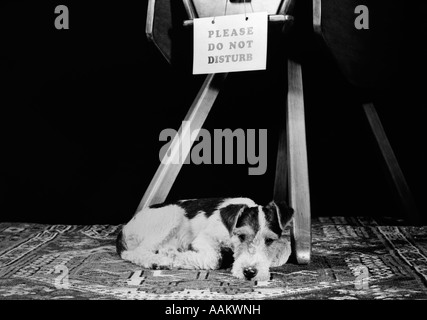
(230, 43)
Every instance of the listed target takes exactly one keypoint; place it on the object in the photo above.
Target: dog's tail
(120, 243)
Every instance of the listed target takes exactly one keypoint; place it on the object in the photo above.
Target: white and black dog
(193, 234)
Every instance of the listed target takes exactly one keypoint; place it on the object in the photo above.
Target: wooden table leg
(299, 193)
(172, 162)
(280, 192)
(390, 159)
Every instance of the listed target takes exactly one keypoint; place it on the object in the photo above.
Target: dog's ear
(283, 211)
(230, 214)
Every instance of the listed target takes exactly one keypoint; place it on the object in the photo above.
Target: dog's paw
(164, 267)
(169, 253)
(154, 265)
(160, 266)
(165, 263)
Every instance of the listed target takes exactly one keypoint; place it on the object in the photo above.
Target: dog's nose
(250, 272)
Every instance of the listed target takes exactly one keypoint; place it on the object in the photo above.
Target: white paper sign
(230, 43)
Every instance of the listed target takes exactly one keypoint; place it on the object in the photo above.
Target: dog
(194, 234)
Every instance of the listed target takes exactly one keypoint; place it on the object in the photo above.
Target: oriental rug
(352, 258)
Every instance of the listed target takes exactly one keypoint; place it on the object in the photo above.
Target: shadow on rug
(352, 258)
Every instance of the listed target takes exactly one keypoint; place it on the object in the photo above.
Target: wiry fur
(191, 234)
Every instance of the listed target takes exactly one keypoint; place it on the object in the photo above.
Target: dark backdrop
(81, 111)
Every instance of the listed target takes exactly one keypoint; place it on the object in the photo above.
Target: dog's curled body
(191, 234)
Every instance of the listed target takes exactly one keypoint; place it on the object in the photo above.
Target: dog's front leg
(143, 257)
(205, 254)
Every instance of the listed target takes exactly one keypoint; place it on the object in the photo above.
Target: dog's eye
(269, 241)
(242, 237)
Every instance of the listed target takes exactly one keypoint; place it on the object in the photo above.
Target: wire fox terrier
(195, 234)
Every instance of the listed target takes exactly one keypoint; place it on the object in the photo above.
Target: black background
(81, 111)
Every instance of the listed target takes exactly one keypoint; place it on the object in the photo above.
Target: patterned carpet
(353, 258)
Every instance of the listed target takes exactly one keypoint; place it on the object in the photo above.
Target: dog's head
(257, 238)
